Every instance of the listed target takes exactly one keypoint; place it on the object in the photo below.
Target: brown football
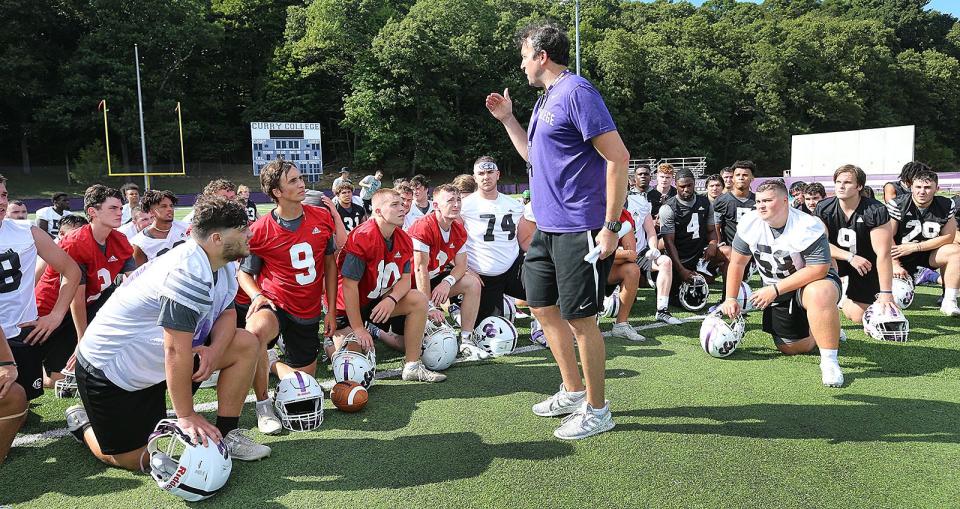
(349, 396)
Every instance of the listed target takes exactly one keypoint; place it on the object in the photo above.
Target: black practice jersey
(728, 209)
(956, 205)
(689, 224)
(352, 217)
(917, 225)
(898, 186)
(656, 198)
(853, 233)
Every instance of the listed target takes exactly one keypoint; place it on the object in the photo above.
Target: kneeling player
(925, 232)
(792, 253)
(168, 328)
(440, 264)
(860, 237)
(687, 228)
(375, 287)
(625, 273)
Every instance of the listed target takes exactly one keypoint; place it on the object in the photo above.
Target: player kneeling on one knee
(374, 287)
(799, 301)
(167, 329)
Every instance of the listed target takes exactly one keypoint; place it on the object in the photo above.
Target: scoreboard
(298, 142)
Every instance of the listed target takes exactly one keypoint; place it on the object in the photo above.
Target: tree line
(399, 84)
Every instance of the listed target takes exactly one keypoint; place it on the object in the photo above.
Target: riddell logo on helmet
(175, 480)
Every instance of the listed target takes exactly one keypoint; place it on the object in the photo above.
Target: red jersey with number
(102, 266)
(384, 266)
(627, 217)
(292, 271)
(443, 253)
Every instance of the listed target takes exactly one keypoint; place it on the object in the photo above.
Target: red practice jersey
(627, 217)
(443, 253)
(292, 271)
(384, 267)
(101, 267)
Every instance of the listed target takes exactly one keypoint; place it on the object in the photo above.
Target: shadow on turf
(359, 464)
(875, 418)
(64, 467)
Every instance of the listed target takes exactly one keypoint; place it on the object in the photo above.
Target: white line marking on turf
(53, 434)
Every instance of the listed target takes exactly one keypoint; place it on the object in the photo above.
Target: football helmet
(693, 295)
(454, 311)
(885, 324)
(743, 297)
(190, 471)
(439, 348)
(903, 291)
(537, 336)
(611, 304)
(66, 387)
(719, 338)
(350, 362)
(299, 402)
(496, 335)
(509, 308)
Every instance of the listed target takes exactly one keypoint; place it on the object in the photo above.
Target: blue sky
(950, 6)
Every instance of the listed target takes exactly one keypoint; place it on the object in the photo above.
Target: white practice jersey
(124, 340)
(414, 214)
(18, 259)
(155, 247)
(779, 255)
(492, 244)
(639, 207)
(50, 215)
(129, 230)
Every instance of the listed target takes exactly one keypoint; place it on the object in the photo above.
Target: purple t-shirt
(568, 179)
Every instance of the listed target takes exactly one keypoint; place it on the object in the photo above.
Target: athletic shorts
(862, 289)
(122, 420)
(647, 271)
(786, 319)
(241, 314)
(393, 324)
(301, 341)
(913, 261)
(555, 274)
(495, 287)
(29, 359)
(60, 346)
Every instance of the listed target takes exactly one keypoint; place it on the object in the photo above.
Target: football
(349, 396)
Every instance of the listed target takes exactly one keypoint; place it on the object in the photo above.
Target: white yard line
(37, 438)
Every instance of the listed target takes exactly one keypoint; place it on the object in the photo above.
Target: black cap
(345, 169)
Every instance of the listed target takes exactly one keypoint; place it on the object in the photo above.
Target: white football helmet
(885, 324)
(611, 304)
(509, 308)
(66, 387)
(719, 338)
(439, 348)
(191, 472)
(903, 291)
(693, 295)
(299, 402)
(537, 336)
(743, 297)
(454, 311)
(357, 366)
(496, 335)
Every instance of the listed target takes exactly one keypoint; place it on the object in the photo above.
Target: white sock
(264, 403)
(829, 355)
(411, 365)
(662, 302)
(950, 295)
(464, 335)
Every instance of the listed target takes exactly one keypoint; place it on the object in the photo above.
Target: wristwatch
(613, 226)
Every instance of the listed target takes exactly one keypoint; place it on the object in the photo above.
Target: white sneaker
(623, 330)
(242, 448)
(561, 403)
(664, 316)
(272, 358)
(950, 308)
(417, 372)
(585, 422)
(843, 336)
(831, 375)
(267, 421)
(77, 421)
(470, 351)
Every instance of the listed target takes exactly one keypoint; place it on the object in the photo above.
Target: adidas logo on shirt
(908, 214)
(112, 259)
(316, 230)
(396, 255)
(859, 219)
(451, 245)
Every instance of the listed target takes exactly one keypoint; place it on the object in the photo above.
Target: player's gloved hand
(198, 429)
(860, 264)
(731, 308)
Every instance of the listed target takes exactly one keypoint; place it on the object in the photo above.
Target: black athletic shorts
(863, 289)
(301, 341)
(122, 420)
(913, 261)
(393, 324)
(555, 274)
(495, 287)
(60, 345)
(29, 359)
(786, 319)
(241, 314)
(647, 276)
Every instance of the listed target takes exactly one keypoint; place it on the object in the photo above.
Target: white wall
(877, 151)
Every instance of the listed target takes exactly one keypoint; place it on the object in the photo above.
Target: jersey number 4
(10, 274)
(506, 225)
(693, 228)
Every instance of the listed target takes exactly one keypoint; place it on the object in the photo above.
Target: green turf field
(754, 430)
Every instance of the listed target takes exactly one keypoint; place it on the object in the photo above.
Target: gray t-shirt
(366, 193)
